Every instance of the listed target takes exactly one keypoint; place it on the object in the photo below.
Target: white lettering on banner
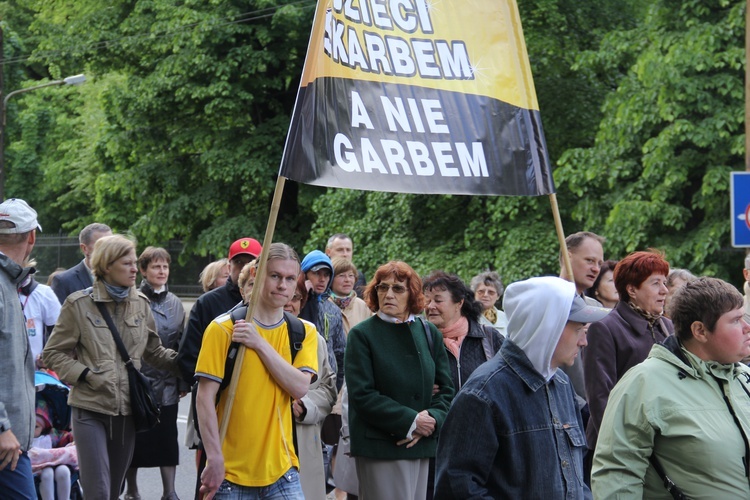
(359, 112)
(391, 54)
(372, 156)
(387, 156)
(396, 114)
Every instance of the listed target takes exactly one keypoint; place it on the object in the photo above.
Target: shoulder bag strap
(488, 343)
(115, 334)
(428, 333)
(672, 488)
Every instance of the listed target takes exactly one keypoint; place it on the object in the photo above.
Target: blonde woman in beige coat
(83, 352)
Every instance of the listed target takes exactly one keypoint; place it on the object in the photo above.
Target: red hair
(400, 271)
(302, 290)
(636, 268)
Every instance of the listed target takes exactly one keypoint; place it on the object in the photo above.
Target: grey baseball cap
(584, 313)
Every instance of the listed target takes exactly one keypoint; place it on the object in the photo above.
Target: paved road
(149, 480)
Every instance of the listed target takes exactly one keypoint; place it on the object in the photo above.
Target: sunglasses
(384, 287)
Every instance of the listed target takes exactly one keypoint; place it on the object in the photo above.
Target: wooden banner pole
(257, 291)
(561, 237)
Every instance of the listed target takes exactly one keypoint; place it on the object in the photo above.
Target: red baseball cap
(247, 246)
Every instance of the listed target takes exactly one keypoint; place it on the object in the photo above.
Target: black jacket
(208, 306)
(472, 352)
(74, 279)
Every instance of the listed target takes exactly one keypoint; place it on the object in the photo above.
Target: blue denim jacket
(510, 434)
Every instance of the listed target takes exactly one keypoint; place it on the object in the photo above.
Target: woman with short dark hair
(394, 360)
(452, 309)
(158, 447)
(603, 290)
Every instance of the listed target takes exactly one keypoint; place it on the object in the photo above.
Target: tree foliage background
(178, 133)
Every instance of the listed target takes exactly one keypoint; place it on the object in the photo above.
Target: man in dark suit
(80, 277)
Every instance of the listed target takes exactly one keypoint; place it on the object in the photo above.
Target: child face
(38, 428)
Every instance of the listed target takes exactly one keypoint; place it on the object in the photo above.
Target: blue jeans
(288, 487)
(18, 484)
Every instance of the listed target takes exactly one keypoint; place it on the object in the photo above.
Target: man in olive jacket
(18, 227)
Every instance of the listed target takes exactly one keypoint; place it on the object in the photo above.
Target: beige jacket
(82, 340)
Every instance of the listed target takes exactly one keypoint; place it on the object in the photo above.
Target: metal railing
(56, 251)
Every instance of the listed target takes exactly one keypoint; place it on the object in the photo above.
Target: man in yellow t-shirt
(257, 457)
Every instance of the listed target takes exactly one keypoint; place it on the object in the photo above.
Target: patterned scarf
(649, 317)
(343, 302)
(454, 335)
(491, 315)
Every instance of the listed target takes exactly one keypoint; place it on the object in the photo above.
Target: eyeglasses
(296, 297)
(384, 287)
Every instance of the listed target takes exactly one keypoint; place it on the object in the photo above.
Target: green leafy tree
(193, 103)
(658, 173)
(515, 236)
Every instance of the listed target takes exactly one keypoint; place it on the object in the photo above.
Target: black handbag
(143, 405)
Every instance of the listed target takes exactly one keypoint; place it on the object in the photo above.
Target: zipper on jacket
(458, 365)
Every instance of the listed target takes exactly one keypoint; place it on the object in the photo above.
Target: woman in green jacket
(399, 386)
(686, 409)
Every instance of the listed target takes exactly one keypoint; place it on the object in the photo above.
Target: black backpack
(295, 332)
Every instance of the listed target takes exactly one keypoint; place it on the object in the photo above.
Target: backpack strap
(428, 334)
(295, 332)
(487, 342)
(237, 312)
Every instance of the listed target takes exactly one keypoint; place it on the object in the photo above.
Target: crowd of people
(616, 379)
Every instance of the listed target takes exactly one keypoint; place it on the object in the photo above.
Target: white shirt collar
(392, 319)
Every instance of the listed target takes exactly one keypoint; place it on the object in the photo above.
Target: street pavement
(149, 480)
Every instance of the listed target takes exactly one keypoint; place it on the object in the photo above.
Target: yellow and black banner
(418, 96)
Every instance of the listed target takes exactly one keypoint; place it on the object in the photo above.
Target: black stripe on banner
(386, 137)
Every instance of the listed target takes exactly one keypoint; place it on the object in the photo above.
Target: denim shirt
(511, 434)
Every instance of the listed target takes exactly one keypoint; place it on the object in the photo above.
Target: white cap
(18, 212)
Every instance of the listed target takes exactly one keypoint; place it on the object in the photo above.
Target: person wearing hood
(514, 429)
(683, 413)
(323, 313)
